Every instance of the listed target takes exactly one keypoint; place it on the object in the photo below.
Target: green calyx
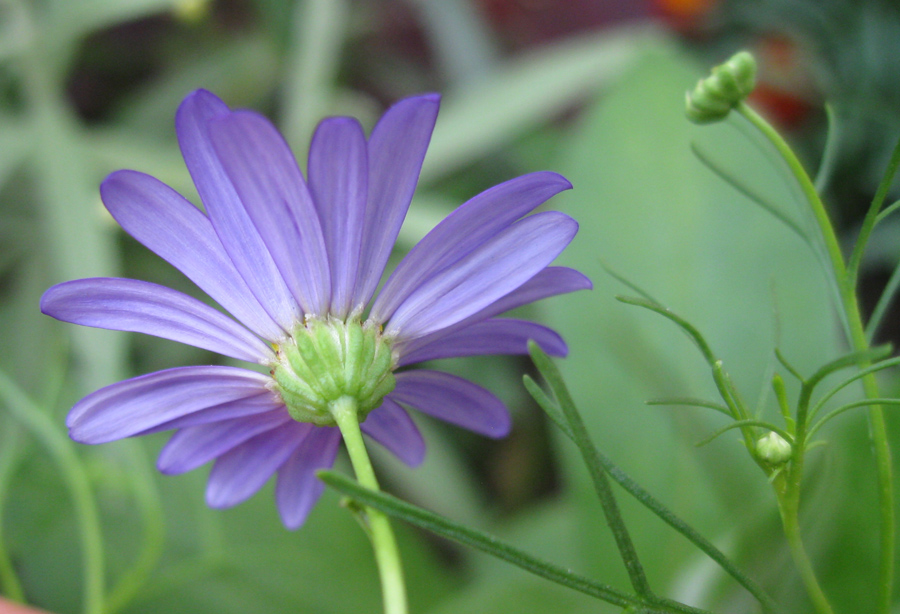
(774, 449)
(728, 85)
(326, 360)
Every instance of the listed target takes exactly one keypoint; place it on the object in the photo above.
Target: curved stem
(801, 560)
(387, 555)
(74, 477)
(845, 279)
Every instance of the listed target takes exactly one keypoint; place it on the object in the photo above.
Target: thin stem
(74, 477)
(845, 279)
(871, 218)
(387, 555)
(801, 560)
(493, 546)
(591, 457)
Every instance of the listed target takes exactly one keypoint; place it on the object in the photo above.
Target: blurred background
(589, 88)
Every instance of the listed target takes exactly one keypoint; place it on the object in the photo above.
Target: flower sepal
(327, 359)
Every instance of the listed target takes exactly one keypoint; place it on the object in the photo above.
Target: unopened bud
(773, 449)
(728, 85)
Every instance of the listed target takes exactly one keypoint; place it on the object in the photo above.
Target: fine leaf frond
(691, 402)
(879, 366)
(854, 405)
(849, 360)
(548, 405)
(884, 301)
(489, 544)
(627, 282)
(742, 423)
(784, 363)
(829, 155)
(747, 191)
(686, 326)
(887, 211)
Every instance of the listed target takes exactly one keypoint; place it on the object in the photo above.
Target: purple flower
(297, 262)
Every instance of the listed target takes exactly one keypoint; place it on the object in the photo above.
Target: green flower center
(326, 360)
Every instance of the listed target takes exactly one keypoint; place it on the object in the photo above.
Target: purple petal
(490, 272)
(338, 176)
(549, 282)
(502, 336)
(298, 488)
(192, 447)
(453, 400)
(143, 307)
(243, 470)
(464, 230)
(392, 427)
(263, 403)
(130, 407)
(396, 150)
(226, 212)
(167, 224)
(265, 174)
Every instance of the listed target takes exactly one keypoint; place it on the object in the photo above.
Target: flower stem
(845, 278)
(387, 555)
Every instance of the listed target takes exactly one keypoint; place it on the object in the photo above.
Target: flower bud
(773, 449)
(729, 84)
(325, 360)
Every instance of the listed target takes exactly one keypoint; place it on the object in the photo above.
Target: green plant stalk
(387, 555)
(591, 455)
(153, 519)
(846, 283)
(74, 477)
(10, 585)
(491, 545)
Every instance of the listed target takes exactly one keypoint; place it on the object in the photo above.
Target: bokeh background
(589, 88)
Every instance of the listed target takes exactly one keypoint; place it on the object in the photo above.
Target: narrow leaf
(667, 516)
(893, 362)
(739, 424)
(691, 402)
(747, 191)
(470, 537)
(590, 456)
(688, 328)
(843, 408)
(548, 405)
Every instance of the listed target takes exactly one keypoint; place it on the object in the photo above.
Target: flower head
(296, 262)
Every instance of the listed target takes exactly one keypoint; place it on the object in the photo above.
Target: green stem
(602, 487)
(789, 520)
(74, 477)
(387, 555)
(493, 546)
(845, 279)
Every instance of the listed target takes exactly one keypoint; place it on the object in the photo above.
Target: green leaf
(476, 539)
(548, 405)
(686, 326)
(591, 458)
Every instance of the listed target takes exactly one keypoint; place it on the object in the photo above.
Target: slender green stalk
(74, 477)
(387, 555)
(10, 453)
(871, 218)
(554, 379)
(491, 545)
(845, 279)
(150, 507)
(789, 520)
(590, 454)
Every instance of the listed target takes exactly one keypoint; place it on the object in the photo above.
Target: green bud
(325, 360)
(729, 84)
(773, 449)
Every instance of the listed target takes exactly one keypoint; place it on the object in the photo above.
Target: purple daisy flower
(297, 262)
